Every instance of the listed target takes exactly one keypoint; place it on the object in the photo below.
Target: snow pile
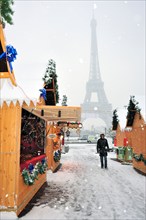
(8, 215)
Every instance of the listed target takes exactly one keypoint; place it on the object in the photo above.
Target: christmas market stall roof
(10, 93)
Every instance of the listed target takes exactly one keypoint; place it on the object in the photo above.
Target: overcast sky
(60, 30)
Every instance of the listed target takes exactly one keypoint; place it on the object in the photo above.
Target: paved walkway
(81, 190)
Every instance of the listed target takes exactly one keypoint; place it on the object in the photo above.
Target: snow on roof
(10, 93)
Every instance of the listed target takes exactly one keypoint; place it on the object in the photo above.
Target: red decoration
(125, 141)
(33, 161)
(63, 141)
(115, 142)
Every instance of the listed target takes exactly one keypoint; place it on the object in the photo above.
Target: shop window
(33, 136)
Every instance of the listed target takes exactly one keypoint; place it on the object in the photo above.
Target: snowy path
(81, 190)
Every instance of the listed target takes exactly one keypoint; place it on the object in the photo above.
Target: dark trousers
(103, 160)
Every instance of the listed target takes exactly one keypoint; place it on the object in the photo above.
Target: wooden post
(10, 127)
(4, 65)
(51, 90)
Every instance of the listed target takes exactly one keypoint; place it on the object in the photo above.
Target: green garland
(29, 178)
(139, 158)
(57, 155)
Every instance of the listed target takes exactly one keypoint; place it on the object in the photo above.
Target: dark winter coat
(102, 146)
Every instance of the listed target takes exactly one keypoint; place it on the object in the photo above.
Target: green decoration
(67, 123)
(29, 178)
(6, 12)
(57, 155)
(41, 168)
(139, 158)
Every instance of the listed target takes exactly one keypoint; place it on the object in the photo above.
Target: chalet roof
(10, 93)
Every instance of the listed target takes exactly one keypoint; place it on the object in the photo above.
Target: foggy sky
(60, 30)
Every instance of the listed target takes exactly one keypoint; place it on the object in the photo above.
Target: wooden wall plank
(10, 152)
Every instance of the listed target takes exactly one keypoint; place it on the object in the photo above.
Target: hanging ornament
(43, 93)
(10, 55)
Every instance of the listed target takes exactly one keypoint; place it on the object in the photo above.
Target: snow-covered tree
(49, 76)
(132, 109)
(6, 12)
(115, 120)
(64, 100)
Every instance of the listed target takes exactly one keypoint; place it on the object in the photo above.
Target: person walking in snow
(102, 149)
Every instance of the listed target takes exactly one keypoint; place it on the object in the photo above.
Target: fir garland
(57, 155)
(31, 174)
(139, 158)
(67, 123)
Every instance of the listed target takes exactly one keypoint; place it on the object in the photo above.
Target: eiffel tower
(99, 108)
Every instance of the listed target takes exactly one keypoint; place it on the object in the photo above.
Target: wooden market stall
(139, 143)
(57, 118)
(132, 140)
(28, 140)
(23, 149)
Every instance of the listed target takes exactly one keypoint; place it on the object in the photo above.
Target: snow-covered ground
(81, 190)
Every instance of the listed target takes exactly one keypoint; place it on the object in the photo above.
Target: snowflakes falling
(100, 207)
(94, 6)
(81, 60)
(66, 208)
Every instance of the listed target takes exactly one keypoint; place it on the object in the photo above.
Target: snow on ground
(81, 190)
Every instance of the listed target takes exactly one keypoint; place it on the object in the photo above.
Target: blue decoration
(56, 154)
(31, 167)
(43, 161)
(3, 55)
(10, 54)
(43, 93)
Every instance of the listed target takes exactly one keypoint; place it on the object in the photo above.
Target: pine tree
(132, 109)
(6, 12)
(115, 120)
(64, 100)
(49, 76)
